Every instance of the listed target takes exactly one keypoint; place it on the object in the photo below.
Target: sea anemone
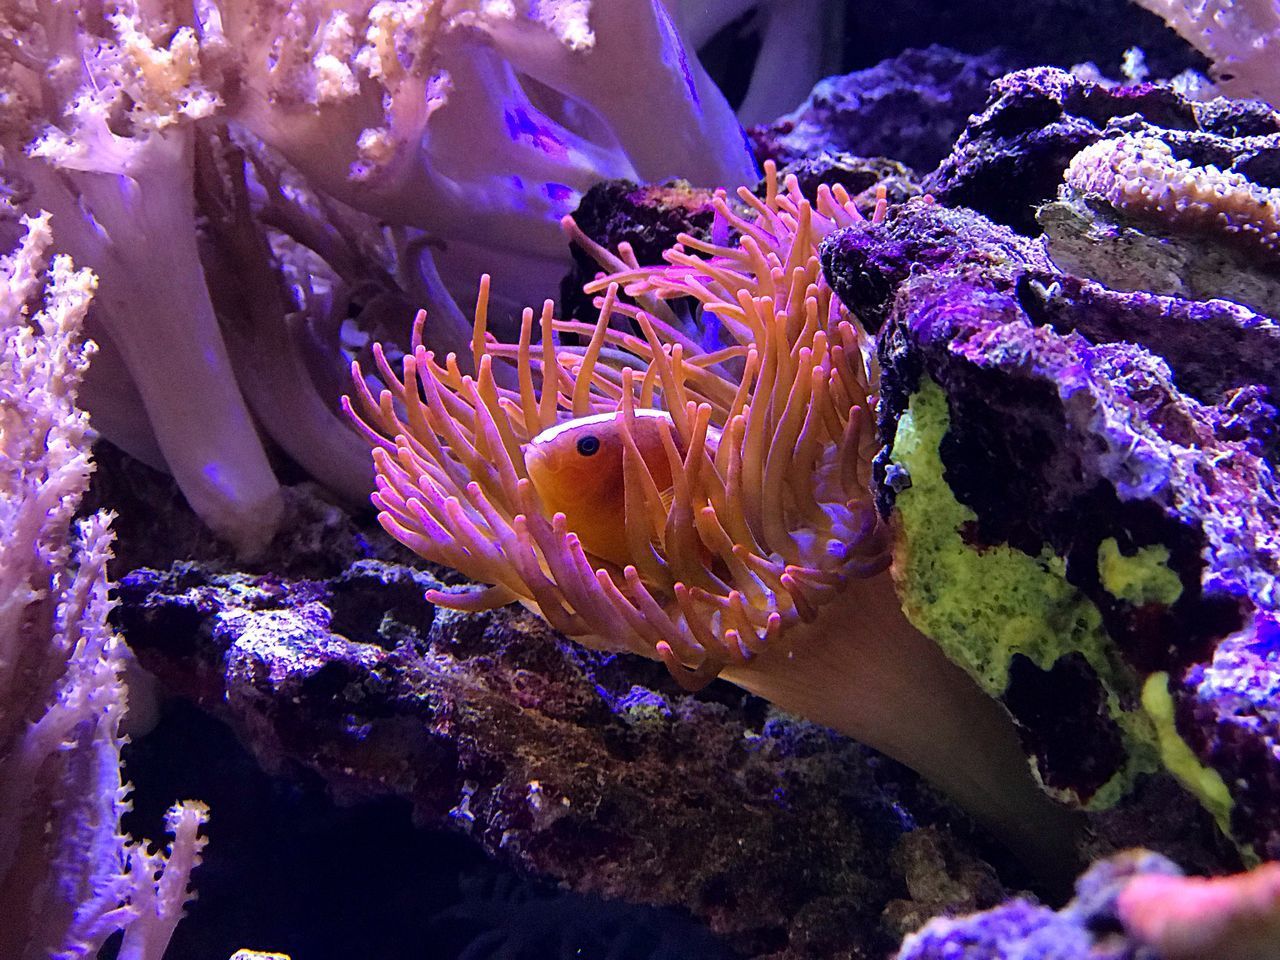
(763, 528)
(766, 562)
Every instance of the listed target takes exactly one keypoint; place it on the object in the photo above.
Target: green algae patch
(1143, 578)
(1202, 782)
(983, 606)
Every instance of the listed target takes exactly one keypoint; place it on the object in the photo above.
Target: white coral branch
(68, 877)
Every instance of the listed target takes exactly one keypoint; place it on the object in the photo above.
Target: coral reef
(1070, 471)
(1142, 179)
(1051, 438)
(754, 552)
(69, 876)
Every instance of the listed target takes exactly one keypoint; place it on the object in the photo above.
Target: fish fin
(668, 497)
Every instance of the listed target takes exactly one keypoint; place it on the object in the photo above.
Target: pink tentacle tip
(691, 679)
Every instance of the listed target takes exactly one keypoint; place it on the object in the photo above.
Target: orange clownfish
(576, 468)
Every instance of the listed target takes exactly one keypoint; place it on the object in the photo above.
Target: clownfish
(576, 468)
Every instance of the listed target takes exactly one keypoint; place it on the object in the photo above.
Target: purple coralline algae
(1012, 155)
(1082, 485)
(1087, 928)
(910, 108)
(647, 218)
(1135, 905)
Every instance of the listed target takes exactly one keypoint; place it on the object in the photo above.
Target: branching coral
(68, 877)
(765, 562)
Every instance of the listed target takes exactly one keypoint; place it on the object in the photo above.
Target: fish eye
(588, 445)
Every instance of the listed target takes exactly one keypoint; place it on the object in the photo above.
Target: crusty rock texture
(1082, 483)
(911, 108)
(592, 770)
(1012, 155)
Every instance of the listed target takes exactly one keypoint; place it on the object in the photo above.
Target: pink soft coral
(69, 878)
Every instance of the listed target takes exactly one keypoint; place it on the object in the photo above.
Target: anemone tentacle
(762, 526)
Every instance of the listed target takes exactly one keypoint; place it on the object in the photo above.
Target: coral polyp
(760, 527)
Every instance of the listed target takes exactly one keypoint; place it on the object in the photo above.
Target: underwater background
(952, 584)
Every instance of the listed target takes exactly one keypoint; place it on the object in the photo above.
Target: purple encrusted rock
(1087, 928)
(1111, 455)
(648, 217)
(1061, 32)
(1012, 155)
(588, 769)
(910, 108)
(861, 176)
(1228, 710)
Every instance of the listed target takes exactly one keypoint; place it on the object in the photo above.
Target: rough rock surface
(1099, 462)
(861, 176)
(590, 770)
(1135, 905)
(1059, 32)
(648, 217)
(910, 108)
(1087, 928)
(1011, 156)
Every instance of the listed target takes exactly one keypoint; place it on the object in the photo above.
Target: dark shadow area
(1039, 32)
(287, 870)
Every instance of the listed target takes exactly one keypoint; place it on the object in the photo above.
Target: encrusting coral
(1175, 208)
(765, 563)
(1140, 177)
(69, 877)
